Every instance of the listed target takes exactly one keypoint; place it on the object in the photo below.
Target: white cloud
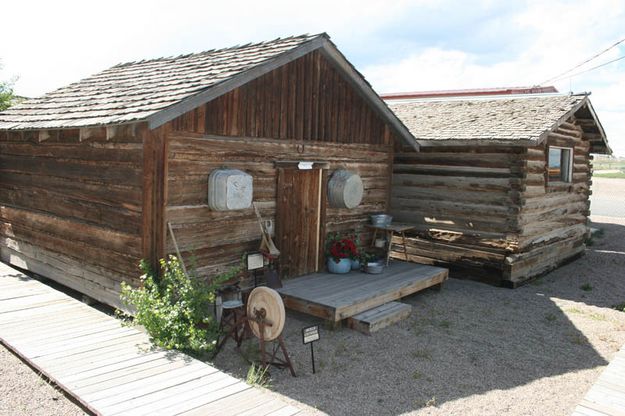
(559, 36)
(51, 44)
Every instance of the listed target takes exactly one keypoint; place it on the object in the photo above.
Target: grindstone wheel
(266, 303)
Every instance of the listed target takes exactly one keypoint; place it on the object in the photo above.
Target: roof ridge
(503, 97)
(306, 36)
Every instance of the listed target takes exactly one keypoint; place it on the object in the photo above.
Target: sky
(398, 45)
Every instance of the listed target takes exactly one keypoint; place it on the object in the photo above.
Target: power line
(585, 62)
(593, 68)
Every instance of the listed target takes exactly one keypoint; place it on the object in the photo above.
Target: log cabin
(93, 176)
(499, 190)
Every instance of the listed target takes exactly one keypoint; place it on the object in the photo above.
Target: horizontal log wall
(489, 211)
(216, 240)
(553, 217)
(71, 209)
(471, 192)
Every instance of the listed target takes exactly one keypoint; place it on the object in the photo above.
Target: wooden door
(298, 220)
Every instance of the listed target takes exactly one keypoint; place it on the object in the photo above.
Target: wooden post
(154, 195)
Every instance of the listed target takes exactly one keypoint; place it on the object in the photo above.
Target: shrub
(174, 308)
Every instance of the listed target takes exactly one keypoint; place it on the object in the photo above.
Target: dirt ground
(471, 349)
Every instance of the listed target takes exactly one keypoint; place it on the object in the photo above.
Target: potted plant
(339, 253)
(356, 256)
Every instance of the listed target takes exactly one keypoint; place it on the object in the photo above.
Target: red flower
(342, 248)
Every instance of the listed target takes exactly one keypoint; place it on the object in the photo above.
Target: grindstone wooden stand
(270, 357)
(264, 316)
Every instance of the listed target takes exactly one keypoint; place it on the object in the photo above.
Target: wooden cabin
(92, 175)
(500, 188)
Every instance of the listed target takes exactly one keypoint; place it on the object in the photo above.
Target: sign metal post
(310, 334)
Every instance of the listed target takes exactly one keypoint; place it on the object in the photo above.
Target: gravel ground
(471, 349)
(24, 393)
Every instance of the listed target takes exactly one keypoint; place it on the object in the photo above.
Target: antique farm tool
(266, 317)
(173, 239)
(266, 244)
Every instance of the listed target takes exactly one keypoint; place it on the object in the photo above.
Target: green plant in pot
(339, 253)
(356, 256)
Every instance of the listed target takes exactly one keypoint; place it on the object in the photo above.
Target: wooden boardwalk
(607, 396)
(111, 369)
(336, 297)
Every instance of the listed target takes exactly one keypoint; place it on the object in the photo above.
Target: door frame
(323, 177)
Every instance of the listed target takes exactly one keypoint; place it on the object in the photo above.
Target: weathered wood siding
(72, 210)
(488, 211)
(302, 111)
(553, 216)
(307, 99)
(464, 202)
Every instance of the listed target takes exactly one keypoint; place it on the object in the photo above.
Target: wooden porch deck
(115, 370)
(337, 297)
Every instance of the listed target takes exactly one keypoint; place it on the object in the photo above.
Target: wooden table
(390, 231)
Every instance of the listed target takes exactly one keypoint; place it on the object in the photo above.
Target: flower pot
(342, 267)
(355, 264)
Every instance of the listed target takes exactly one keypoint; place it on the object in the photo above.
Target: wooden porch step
(375, 319)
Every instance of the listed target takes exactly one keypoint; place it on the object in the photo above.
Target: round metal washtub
(268, 304)
(229, 189)
(345, 189)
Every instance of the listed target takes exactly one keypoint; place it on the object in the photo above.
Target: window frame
(569, 165)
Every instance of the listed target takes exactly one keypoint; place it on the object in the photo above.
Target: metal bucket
(381, 220)
(376, 267)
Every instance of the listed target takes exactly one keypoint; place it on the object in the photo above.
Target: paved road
(608, 197)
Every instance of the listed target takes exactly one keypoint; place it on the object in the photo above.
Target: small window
(560, 164)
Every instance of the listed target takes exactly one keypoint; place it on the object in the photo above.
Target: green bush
(174, 308)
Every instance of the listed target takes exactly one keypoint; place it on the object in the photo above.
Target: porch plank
(109, 368)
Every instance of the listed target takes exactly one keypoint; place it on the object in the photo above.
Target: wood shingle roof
(135, 91)
(519, 120)
(159, 90)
